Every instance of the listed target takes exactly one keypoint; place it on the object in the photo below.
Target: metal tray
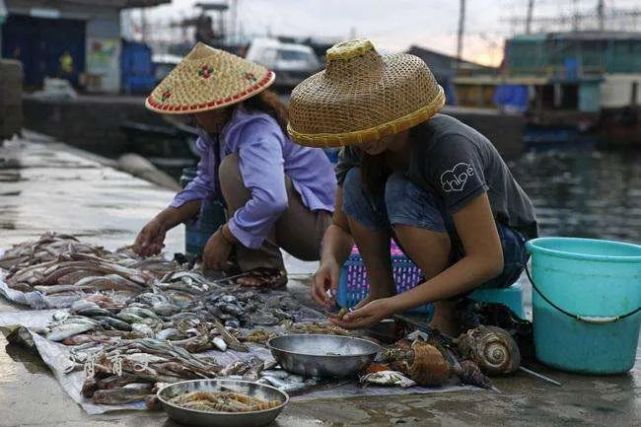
(223, 419)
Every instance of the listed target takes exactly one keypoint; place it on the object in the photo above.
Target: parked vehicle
(292, 62)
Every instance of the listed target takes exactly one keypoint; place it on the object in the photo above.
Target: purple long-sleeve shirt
(266, 156)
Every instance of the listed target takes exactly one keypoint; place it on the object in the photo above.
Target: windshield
(294, 55)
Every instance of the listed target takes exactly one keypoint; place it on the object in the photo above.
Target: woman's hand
(367, 315)
(150, 240)
(325, 282)
(216, 252)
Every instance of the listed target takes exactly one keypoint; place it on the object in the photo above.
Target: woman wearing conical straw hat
(435, 185)
(277, 194)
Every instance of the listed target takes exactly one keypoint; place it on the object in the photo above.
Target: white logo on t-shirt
(455, 178)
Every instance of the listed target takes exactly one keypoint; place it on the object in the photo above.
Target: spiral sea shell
(492, 348)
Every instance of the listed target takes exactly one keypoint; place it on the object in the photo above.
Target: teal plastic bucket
(586, 303)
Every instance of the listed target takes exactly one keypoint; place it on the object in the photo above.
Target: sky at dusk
(393, 25)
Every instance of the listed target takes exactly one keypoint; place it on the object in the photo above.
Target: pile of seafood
(59, 264)
(219, 319)
(433, 359)
(222, 401)
(136, 324)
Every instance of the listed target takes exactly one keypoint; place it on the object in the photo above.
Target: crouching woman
(435, 185)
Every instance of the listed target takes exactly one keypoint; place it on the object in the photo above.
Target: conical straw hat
(362, 96)
(207, 79)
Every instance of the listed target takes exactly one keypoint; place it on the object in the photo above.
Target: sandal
(263, 278)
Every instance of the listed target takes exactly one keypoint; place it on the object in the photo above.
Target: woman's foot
(445, 319)
(264, 277)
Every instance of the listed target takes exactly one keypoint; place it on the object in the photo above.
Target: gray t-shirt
(457, 163)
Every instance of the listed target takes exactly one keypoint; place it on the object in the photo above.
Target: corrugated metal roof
(581, 35)
(530, 37)
(597, 35)
(119, 4)
(443, 65)
(499, 80)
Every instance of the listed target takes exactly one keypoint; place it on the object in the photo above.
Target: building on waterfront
(588, 81)
(586, 70)
(79, 40)
(583, 71)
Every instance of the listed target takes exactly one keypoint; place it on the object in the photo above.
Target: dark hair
(374, 173)
(269, 102)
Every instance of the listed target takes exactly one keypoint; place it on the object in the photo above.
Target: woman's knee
(353, 184)
(408, 204)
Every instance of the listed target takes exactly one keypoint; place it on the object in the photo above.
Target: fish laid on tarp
(126, 394)
(388, 378)
(70, 327)
(58, 264)
(47, 248)
(284, 381)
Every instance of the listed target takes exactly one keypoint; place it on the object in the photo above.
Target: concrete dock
(46, 185)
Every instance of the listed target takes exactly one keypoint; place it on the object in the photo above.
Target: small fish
(140, 311)
(108, 321)
(66, 330)
(289, 384)
(145, 358)
(164, 308)
(92, 312)
(263, 318)
(60, 316)
(142, 330)
(277, 374)
(129, 317)
(82, 304)
(393, 378)
(229, 299)
(234, 368)
(127, 394)
(230, 308)
(169, 334)
(232, 341)
(219, 343)
(232, 323)
(256, 367)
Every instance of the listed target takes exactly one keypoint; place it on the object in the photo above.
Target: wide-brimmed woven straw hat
(362, 96)
(207, 79)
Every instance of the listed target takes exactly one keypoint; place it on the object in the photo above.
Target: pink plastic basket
(353, 286)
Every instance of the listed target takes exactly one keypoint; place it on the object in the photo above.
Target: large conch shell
(422, 362)
(492, 348)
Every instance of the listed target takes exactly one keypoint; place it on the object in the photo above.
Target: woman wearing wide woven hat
(435, 185)
(277, 194)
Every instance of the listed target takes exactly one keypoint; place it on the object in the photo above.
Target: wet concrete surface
(47, 186)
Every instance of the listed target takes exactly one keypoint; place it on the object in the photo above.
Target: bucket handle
(586, 319)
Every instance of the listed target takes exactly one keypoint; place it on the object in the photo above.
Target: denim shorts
(405, 203)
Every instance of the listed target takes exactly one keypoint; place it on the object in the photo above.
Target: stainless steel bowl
(222, 419)
(322, 355)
